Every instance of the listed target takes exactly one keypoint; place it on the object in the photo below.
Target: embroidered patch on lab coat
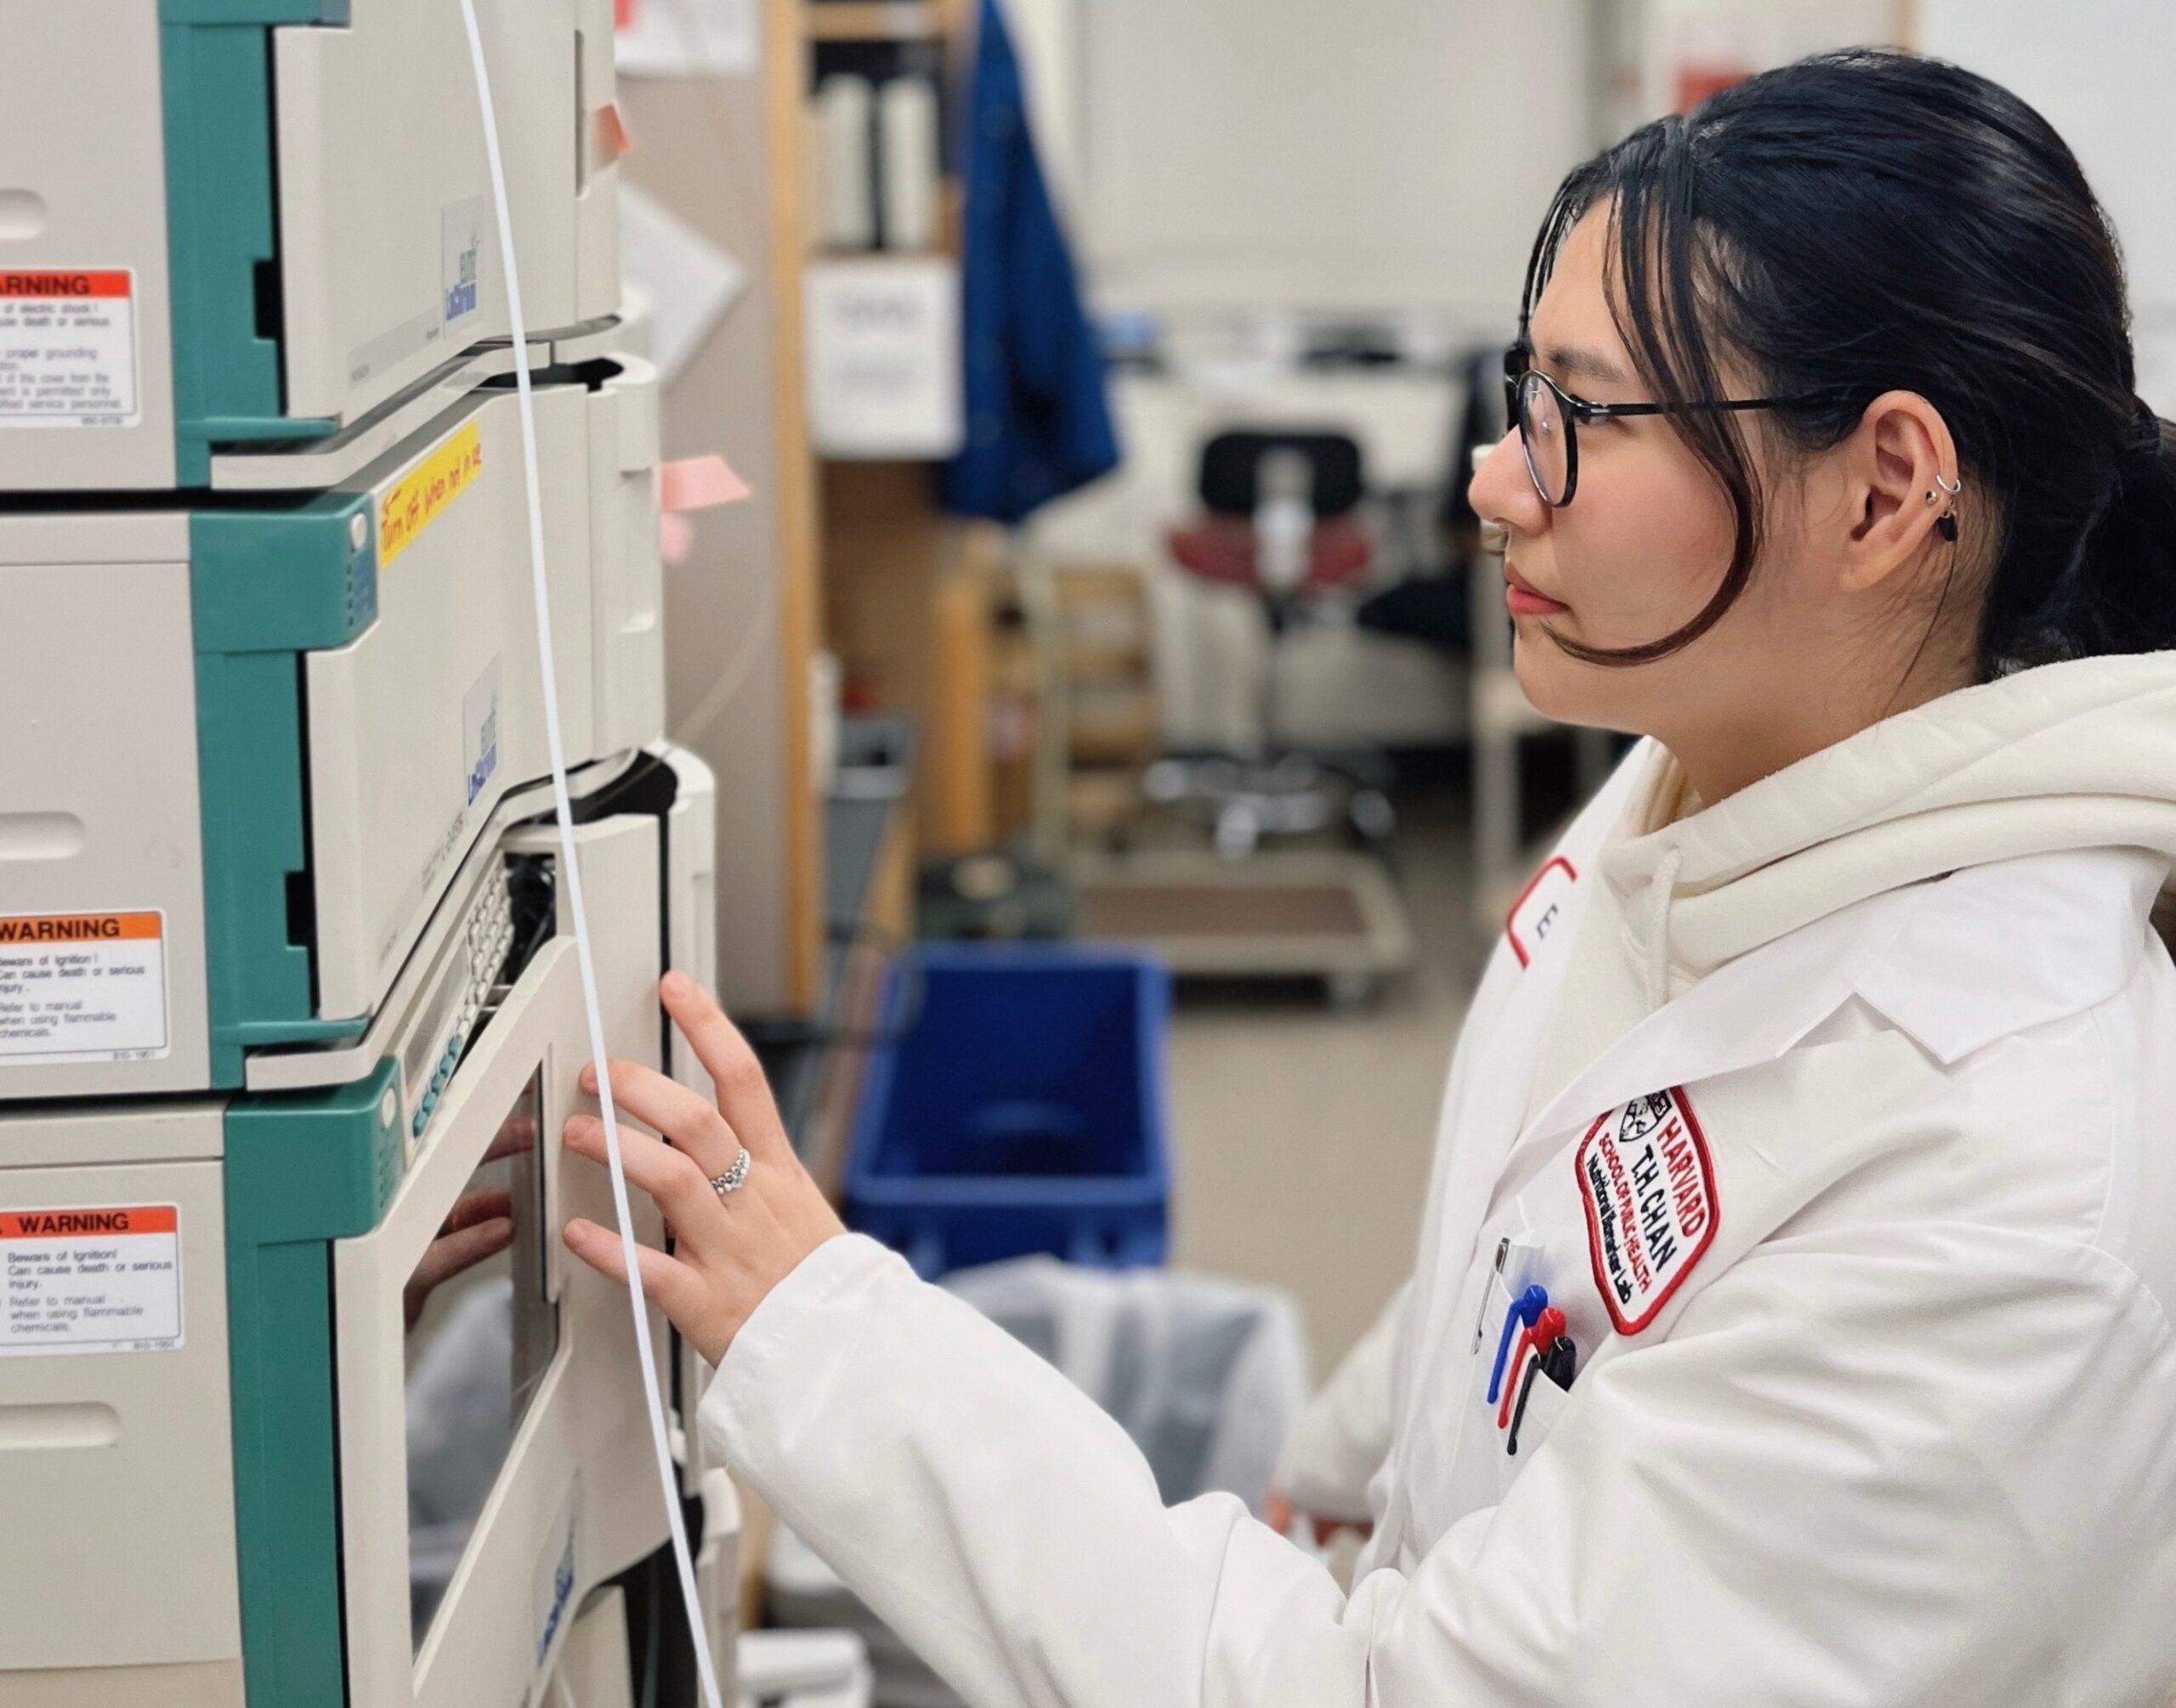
(1652, 1212)
(1539, 908)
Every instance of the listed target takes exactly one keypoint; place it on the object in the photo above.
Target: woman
(1823, 1089)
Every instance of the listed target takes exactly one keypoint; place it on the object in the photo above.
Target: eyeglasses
(1549, 418)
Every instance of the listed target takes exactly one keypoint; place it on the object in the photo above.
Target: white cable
(570, 869)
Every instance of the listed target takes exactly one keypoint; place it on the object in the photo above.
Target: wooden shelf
(873, 20)
(819, 257)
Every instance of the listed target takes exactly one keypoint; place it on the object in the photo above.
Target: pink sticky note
(676, 537)
(699, 482)
(613, 137)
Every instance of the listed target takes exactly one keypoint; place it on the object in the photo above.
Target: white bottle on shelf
(845, 106)
(906, 117)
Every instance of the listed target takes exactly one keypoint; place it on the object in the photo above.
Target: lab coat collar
(1730, 1020)
(2066, 756)
(1955, 965)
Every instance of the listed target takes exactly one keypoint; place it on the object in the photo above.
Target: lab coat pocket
(1535, 1404)
(1474, 1479)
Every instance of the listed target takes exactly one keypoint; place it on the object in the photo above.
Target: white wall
(1290, 153)
(1046, 35)
(1746, 35)
(2101, 72)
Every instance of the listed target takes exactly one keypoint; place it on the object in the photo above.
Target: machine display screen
(481, 1334)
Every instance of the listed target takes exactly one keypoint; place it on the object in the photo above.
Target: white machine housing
(414, 731)
(453, 624)
(381, 264)
(132, 1594)
(576, 1499)
(120, 1588)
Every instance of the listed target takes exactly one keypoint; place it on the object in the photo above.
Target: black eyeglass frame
(1578, 412)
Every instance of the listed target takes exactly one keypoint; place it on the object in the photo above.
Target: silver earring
(1945, 524)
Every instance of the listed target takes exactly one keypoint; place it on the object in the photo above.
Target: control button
(415, 1127)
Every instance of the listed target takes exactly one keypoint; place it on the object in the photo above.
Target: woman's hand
(731, 1249)
(479, 1226)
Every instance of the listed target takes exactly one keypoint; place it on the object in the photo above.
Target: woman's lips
(1526, 600)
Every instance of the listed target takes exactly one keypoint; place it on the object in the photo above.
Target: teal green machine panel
(301, 1171)
(222, 222)
(266, 587)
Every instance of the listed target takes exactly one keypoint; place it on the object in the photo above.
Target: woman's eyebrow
(1577, 362)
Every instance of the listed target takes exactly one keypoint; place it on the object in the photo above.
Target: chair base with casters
(1279, 524)
(1247, 801)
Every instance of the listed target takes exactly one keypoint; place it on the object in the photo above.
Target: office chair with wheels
(1278, 522)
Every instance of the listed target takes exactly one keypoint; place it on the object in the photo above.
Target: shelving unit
(874, 21)
(909, 592)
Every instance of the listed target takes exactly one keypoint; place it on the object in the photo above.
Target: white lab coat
(1839, 1119)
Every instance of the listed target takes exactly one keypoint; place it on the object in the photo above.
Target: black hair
(1868, 221)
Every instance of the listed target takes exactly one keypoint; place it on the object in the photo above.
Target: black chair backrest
(1231, 469)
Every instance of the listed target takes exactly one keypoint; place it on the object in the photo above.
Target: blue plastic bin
(1023, 1111)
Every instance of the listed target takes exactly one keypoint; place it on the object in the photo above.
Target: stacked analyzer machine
(289, 1006)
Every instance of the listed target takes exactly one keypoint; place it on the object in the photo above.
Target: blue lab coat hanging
(1038, 415)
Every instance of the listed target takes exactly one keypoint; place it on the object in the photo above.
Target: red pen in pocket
(1541, 1334)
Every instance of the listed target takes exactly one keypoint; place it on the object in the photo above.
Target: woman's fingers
(670, 1284)
(462, 1249)
(743, 1092)
(447, 1256)
(690, 1120)
(472, 1208)
(674, 1179)
(516, 1134)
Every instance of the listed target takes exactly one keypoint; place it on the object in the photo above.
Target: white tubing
(570, 870)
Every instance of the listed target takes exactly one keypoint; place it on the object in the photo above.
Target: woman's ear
(1901, 467)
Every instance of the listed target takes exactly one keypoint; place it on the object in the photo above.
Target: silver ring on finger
(734, 1179)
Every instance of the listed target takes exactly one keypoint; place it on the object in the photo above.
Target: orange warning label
(55, 283)
(94, 1278)
(79, 987)
(68, 348)
(80, 928)
(47, 1225)
(417, 500)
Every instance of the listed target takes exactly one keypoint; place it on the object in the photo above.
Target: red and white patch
(1652, 1210)
(1541, 907)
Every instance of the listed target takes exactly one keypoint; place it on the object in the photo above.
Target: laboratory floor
(1302, 1131)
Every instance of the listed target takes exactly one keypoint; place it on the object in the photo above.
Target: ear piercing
(1945, 524)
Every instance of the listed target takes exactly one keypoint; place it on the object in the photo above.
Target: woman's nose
(1503, 491)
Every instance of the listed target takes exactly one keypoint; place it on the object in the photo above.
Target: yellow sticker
(419, 498)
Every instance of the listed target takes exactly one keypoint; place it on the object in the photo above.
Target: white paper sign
(884, 362)
(679, 38)
(686, 282)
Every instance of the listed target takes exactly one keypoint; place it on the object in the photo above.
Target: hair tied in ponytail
(2147, 442)
(2124, 599)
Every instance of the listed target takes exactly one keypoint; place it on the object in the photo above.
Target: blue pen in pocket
(1525, 1311)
